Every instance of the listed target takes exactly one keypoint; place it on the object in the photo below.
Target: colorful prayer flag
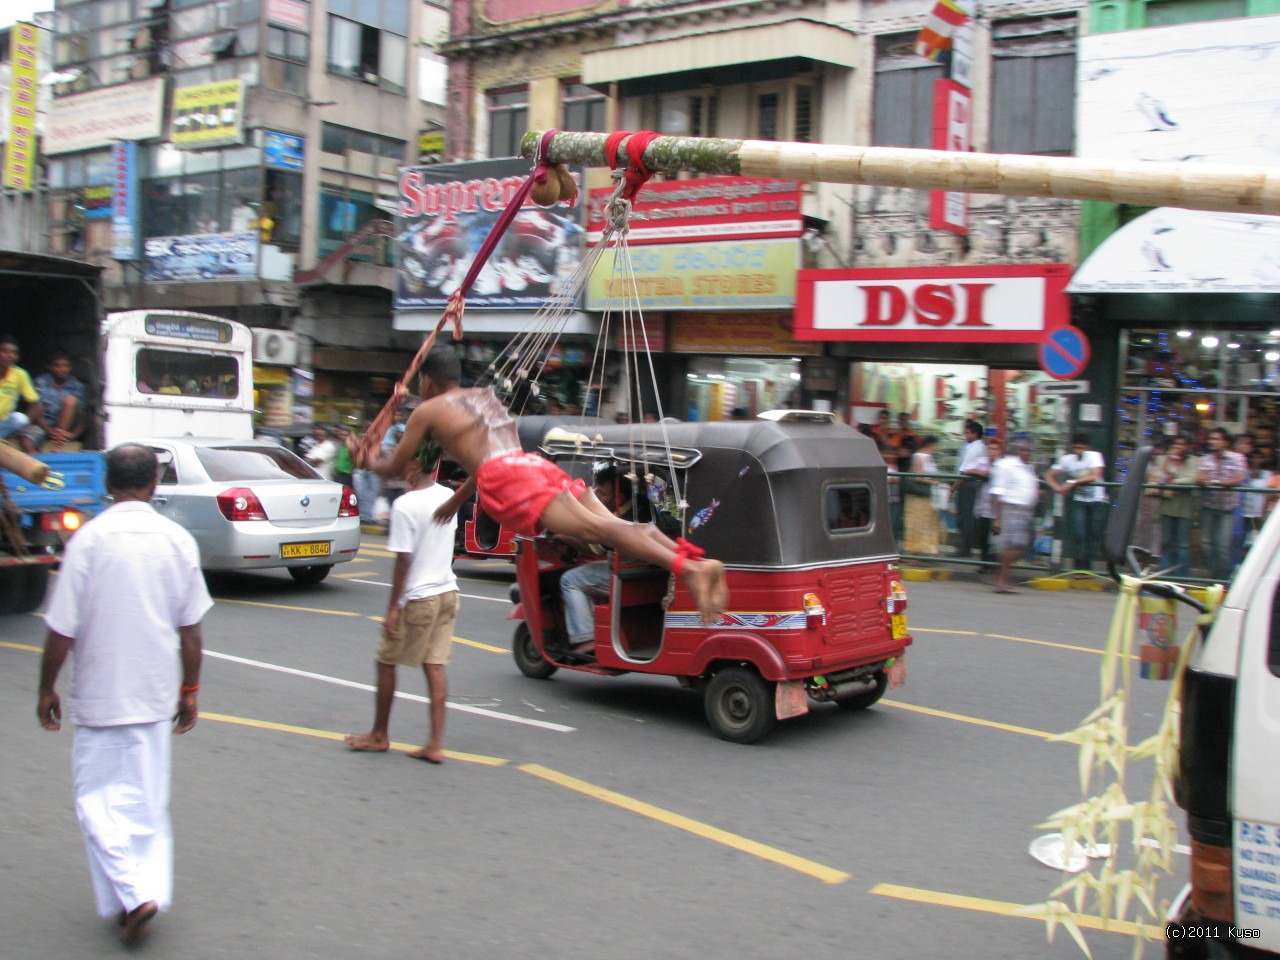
(935, 36)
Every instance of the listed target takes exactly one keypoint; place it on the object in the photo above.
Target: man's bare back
(470, 423)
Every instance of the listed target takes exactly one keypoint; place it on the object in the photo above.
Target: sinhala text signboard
(208, 115)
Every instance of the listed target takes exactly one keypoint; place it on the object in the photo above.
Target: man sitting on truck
(15, 389)
(62, 398)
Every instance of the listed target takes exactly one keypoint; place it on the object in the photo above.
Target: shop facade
(943, 345)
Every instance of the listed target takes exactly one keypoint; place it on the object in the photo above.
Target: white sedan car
(252, 504)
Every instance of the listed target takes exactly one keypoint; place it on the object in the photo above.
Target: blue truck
(51, 303)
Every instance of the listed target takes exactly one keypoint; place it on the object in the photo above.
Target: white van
(1228, 778)
(172, 373)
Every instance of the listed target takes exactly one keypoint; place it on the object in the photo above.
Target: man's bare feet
(429, 753)
(135, 924)
(706, 582)
(367, 742)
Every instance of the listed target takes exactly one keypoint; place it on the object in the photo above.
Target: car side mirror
(1118, 537)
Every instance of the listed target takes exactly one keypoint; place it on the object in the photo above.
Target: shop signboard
(741, 275)
(751, 334)
(952, 115)
(1011, 303)
(201, 257)
(97, 118)
(288, 13)
(445, 213)
(208, 115)
(723, 208)
(96, 201)
(124, 201)
(20, 151)
(283, 151)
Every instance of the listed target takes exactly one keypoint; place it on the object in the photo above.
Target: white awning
(723, 48)
(1170, 250)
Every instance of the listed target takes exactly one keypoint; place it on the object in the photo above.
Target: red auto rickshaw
(797, 508)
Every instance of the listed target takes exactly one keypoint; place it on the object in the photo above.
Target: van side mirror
(1119, 533)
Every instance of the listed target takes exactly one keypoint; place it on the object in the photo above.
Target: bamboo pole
(28, 468)
(1223, 187)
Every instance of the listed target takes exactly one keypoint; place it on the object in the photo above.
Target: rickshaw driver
(525, 492)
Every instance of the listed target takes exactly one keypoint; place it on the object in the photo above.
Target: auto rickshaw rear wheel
(860, 701)
(739, 705)
(527, 656)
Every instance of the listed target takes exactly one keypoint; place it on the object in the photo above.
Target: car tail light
(896, 602)
(240, 503)
(815, 615)
(1211, 881)
(350, 505)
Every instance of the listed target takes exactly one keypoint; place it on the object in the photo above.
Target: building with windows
(240, 157)
(814, 71)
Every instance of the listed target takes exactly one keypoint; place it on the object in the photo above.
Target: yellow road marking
(1002, 908)
(481, 646)
(348, 576)
(1047, 643)
(955, 633)
(706, 831)
(960, 717)
(372, 552)
(21, 646)
(330, 735)
(285, 606)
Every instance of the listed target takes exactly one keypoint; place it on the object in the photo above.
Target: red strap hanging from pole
(637, 174)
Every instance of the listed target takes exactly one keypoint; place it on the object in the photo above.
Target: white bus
(170, 373)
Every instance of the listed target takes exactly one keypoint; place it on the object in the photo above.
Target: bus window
(187, 374)
(848, 508)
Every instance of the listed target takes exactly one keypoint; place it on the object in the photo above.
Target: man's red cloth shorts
(515, 488)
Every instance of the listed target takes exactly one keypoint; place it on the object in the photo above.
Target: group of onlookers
(996, 497)
(1229, 489)
(329, 449)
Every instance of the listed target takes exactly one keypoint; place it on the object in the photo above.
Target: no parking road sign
(1064, 353)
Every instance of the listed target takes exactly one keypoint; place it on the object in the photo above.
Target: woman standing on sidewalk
(922, 520)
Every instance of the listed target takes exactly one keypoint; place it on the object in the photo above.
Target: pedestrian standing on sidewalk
(1076, 476)
(1220, 473)
(982, 508)
(1015, 491)
(128, 604)
(421, 611)
(1177, 507)
(965, 490)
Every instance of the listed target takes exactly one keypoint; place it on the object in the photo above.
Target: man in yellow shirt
(15, 388)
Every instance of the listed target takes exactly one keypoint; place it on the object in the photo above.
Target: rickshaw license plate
(899, 624)
(289, 551)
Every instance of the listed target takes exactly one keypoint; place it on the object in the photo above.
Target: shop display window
(1189, 381)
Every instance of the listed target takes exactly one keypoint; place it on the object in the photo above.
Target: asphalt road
(579, 817)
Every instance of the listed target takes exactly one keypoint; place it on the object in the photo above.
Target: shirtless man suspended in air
(527, 493)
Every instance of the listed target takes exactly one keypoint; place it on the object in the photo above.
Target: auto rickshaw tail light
(815, 615)
(896, 602)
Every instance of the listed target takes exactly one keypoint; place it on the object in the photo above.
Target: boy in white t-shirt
(1077, 475)
(421, 611)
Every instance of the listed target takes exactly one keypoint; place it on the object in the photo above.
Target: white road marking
(417, 698)
(467, 596)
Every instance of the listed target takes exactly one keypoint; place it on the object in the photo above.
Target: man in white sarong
(128, 603)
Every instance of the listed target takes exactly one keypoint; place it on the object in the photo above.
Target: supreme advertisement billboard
(1013, 303)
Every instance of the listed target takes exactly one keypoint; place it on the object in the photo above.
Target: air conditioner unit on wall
(279, 347)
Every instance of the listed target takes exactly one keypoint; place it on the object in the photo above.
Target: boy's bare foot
(367, 742)
(706, 582)
(429, 753)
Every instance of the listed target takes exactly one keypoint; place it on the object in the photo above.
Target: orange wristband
(191, 688)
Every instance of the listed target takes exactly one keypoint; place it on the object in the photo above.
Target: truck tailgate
(75, 480)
